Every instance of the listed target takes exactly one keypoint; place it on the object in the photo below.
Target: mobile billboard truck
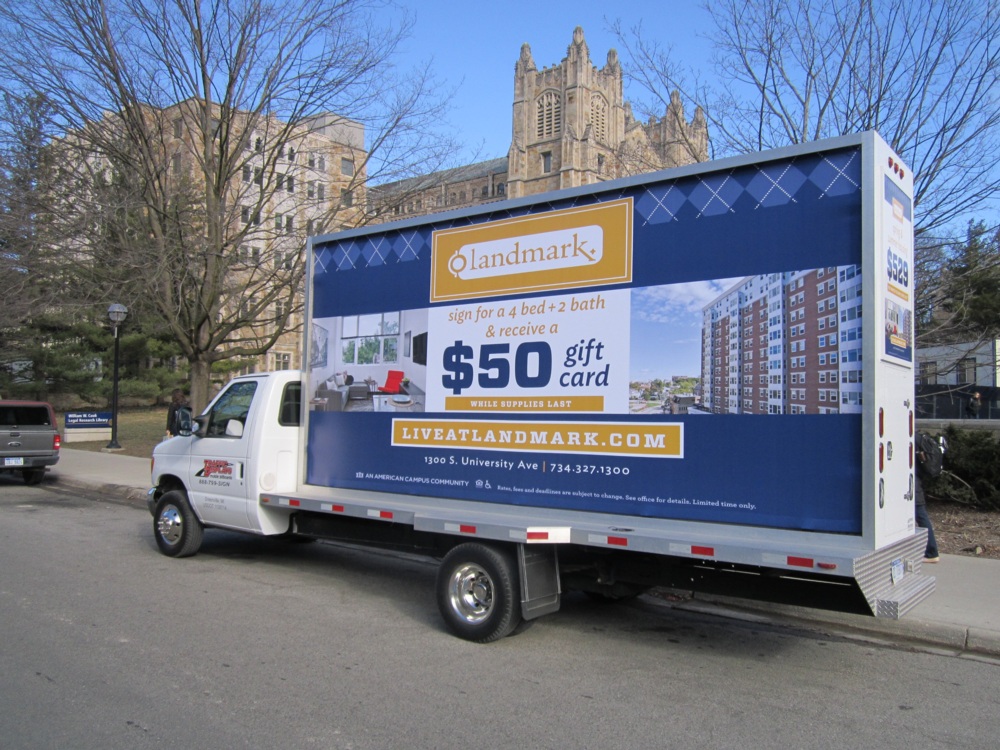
(664, 380)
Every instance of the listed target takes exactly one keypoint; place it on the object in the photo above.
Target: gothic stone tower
(572, 127)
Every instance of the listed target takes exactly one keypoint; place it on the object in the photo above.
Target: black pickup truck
(29, 438)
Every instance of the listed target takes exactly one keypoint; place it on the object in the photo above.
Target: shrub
(134, 392)
(971, 473)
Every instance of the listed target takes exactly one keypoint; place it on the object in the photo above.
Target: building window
(966, 370)
(547, 162)
(290, 184)
(600, 164)
(320, 191)
(370, 339)
(347, 167)
(178, 127)
(247, 173)
(282, 361)
(599, 117)
(175, 163)
(928, 373)
(548, 112)
(289, 224)
(346, 198)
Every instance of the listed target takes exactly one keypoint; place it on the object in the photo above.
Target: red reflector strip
(800, 562)
(618, 541)
(336, 508)
(294, 503)
(537, 536)
(265, 499)
(707, 551)
(385, 514)
(466, 529)
(827, 566)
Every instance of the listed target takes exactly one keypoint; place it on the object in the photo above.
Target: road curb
(114, 493)
(945, 635)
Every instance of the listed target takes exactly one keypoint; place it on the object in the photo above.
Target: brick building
(785, 343)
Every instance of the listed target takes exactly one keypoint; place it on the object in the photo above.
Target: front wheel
(478, 592)
(177, 529)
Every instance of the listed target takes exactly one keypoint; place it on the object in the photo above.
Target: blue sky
(475, 46)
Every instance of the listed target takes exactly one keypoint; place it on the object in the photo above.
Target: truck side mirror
(183, 421)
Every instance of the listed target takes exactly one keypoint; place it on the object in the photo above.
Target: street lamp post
(117, 315)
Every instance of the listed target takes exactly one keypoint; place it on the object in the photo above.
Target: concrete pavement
(962, 615)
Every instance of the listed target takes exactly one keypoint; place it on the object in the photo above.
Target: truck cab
(246, 442)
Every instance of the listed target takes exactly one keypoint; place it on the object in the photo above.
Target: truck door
(220, 458)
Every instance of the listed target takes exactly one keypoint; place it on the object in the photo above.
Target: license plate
(897, 571)
(13, 462)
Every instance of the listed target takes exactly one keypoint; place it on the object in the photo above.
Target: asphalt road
(105, 643)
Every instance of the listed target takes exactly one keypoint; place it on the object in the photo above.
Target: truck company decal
(220, 469)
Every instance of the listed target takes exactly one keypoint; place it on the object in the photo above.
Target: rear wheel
(33, 476)
(478, 592)
(177, 529)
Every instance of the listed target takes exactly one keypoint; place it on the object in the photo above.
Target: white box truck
(700, 378)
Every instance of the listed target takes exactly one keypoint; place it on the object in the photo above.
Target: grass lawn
(139, 431)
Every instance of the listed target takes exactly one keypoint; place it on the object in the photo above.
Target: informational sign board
(87, 426)
(671, 346)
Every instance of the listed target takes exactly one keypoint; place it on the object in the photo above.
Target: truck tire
(478, 592)
(177, 529)
(33, 476)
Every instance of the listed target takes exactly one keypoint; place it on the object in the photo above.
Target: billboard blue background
(799, 471)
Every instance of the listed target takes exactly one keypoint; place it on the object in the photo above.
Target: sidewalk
(963, 614)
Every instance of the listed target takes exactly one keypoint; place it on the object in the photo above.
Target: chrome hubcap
(470, 591)
(170, 525)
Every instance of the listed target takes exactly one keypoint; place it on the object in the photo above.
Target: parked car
(29, 438)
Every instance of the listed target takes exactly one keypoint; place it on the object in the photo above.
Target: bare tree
(924, 73)
(25, 179)
(184, 123)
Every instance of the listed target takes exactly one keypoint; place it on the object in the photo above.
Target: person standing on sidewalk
(927, 466)
(931, 554)
(975, 404)
(177, 401)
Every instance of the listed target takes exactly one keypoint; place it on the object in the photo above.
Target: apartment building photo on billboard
(785, 343)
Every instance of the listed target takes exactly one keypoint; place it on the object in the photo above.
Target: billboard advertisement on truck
(687, 346)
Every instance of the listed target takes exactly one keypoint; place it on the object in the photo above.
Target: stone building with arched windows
(571, 127)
